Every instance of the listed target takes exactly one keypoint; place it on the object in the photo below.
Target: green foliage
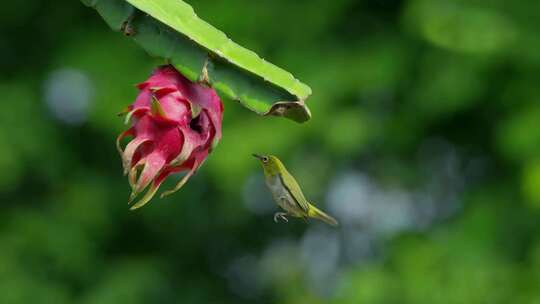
(399, 103)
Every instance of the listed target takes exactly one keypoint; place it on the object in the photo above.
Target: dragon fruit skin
(175, 124)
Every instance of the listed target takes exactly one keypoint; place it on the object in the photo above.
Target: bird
(288, 194)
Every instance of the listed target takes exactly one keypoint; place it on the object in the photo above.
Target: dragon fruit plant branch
(172, 31)
(174, 125)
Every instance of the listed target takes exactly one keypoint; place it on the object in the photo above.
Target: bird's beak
(257, 156)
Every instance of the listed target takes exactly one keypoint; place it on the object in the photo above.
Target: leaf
(170, 29)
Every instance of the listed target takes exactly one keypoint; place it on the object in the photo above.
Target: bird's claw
(280, 215)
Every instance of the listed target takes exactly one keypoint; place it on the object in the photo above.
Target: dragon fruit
(175, 124)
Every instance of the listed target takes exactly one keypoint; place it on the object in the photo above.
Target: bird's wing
(294, 190)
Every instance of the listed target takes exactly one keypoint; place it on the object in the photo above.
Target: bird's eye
(265, 159)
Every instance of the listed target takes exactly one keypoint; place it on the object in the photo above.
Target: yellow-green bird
(287, 192)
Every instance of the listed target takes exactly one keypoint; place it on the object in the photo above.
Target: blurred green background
(424, 143)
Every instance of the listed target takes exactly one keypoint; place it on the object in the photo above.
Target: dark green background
(424, 143)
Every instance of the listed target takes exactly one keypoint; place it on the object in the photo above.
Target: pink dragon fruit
(175, 124)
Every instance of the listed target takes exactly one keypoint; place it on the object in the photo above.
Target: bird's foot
(280, 215)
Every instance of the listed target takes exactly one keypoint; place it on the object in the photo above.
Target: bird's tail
(314, 212)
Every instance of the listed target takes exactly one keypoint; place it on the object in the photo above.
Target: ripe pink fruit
(175, 124)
